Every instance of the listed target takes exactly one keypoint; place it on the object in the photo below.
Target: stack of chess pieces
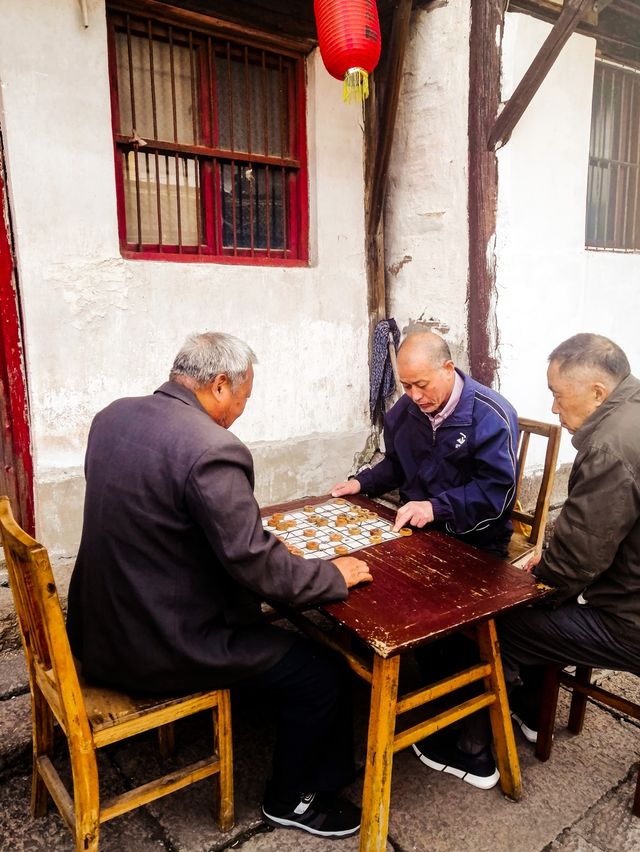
(351, 521)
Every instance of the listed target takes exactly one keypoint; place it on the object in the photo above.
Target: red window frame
(209, 157)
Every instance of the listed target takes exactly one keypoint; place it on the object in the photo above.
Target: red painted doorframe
(16, 475)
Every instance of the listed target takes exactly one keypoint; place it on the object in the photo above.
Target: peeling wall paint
(98, 327)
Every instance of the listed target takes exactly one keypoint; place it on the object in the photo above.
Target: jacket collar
(627, 389)
(178, 391)
(462, 415)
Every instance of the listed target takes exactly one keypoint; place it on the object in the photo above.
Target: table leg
(377, 778)
(506, 753)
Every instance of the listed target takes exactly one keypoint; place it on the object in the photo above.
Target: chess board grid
(330, 510)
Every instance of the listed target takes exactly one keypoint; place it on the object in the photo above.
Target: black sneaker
(530, 734)
(324, 814)
(525, 717)
(477, 769)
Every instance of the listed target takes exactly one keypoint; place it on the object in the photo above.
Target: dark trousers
(533, 637)
(571, 633)
(309, 691)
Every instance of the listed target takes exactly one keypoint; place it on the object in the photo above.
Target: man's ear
(220, 384)
(600, 393)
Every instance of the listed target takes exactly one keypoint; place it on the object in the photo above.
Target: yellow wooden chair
(528, 527)
(92, 717)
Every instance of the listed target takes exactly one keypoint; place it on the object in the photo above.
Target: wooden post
(484, 95)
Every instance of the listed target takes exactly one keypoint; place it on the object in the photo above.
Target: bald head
(427, 347)
(426, 370)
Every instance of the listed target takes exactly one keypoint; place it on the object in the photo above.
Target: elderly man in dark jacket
(450, 448)
(174, 562)
(593, 558)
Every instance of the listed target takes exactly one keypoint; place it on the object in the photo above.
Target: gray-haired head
(205, 356)
(592, 351)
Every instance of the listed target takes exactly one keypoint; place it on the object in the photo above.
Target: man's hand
(351, 486)
(353, 570)
(531, 564)
(418, 513)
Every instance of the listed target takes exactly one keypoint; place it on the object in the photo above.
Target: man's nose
(554, 408)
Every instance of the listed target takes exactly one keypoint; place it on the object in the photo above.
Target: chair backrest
(50, 663)
(538, 518)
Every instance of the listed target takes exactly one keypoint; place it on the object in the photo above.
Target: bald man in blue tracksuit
(450, 448)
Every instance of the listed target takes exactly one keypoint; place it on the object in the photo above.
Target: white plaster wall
(549, 285)
(426, 233)
(98, 327)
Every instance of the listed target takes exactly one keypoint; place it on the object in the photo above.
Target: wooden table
(424, 587)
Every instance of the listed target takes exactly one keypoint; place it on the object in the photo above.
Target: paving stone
(435, 809)
(135, 832)
(579, 801)
(15, 733)
(13, 674)
(610, 825)
(573, 843)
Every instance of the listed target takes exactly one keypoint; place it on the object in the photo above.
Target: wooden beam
(572, 14)
(484, 96)
(386, 125)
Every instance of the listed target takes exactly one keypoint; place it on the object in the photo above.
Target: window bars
(209, 142)
(613, 192)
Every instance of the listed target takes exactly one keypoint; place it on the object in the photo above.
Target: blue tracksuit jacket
(466, 468)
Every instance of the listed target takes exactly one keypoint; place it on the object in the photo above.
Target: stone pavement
(580, 801)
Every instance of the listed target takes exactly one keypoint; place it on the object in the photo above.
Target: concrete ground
(580, 801)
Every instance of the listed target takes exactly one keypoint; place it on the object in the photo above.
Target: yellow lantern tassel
(356, 84)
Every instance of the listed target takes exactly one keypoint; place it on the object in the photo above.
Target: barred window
(209, 142)
(613, 192)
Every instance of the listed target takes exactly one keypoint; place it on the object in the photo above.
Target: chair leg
(548, 707)
(42, 738)
(86, 795)
(636, 801)
(223, 745)
(167, 740)
(579, 701)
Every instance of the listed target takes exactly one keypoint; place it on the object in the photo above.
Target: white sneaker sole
(291, 823)
(528, 733)
(482, 783)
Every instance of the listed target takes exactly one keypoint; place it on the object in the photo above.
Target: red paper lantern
(349, 37)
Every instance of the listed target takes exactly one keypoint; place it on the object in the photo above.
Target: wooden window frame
(618, 230)
(210, 159)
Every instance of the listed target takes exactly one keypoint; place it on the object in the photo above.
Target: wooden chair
(524, 544)
(581, 688)
(92, 717)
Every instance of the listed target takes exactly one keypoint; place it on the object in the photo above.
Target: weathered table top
(424, 586)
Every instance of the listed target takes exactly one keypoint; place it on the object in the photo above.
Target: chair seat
(519, 548)
(107, 707)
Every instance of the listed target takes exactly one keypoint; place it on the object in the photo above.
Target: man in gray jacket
(173, 565)
(593, 558)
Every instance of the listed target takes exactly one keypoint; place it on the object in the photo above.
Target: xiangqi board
(330, 529)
